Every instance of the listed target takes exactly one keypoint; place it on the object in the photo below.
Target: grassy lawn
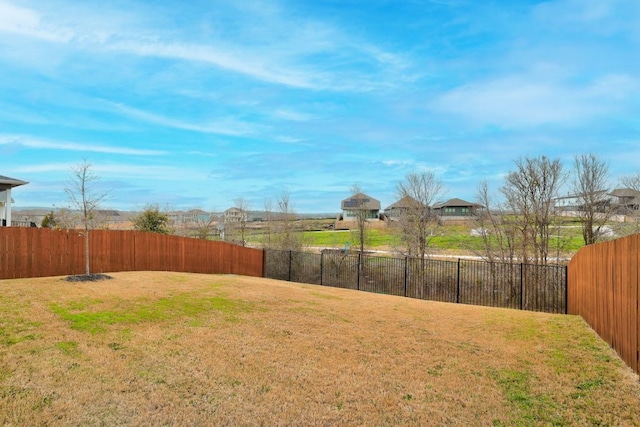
(156, 348)
(444, 238)
(337, 239)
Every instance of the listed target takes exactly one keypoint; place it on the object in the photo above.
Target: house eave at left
(7, 183)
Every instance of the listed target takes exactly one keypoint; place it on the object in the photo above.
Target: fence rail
(37, 252)
(520, 286)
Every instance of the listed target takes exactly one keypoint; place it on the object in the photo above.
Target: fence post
(458, 284)
(566, 289)
(290, 262)
(321, 266)
(521, 286)
(406, 273)
(359, 267)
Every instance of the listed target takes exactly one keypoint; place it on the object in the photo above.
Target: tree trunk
(87, 271)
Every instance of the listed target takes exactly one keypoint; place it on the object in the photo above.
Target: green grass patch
(90, 316)
(528, 407)
(342, 238)
(14, 328)
(331, 239)
(70, 348)
(448, 237)
(14, 331)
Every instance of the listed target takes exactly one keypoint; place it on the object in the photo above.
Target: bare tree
(529, 193)
(84, 198)
(590, 185)
(67, 219)
(632, 182)
(359, 208)
(519, 231)
(204, 224)
(521, 228)
(416, 219)
(236, 228)
(286, 237)
(269, 219)
(498, 231)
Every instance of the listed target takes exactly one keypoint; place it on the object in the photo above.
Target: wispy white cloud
(291, 140)
(108, 171)
(44, 167)
(239, 60)
(294, 116)
(202, 154)
(398, 162)
(28, 22)
(591, 16)
(164, 173)
(33, 142)
(223, 126)
(273, 58)
(523, 101)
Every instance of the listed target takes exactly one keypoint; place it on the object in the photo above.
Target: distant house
(626, 199)
(6, 184)
(235, 215)
(357, 203)
(575, 202)
(402, 206)
(456, 208)
(192, 216)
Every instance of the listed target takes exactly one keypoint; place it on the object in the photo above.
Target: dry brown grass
(185, 349)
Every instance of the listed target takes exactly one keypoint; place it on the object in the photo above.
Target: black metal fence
(519, 286)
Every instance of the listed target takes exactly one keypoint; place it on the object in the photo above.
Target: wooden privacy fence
(37, 252)
(603, 289)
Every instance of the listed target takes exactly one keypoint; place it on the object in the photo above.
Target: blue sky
(195, 104)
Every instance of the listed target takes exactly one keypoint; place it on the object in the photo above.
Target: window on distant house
(450, 210)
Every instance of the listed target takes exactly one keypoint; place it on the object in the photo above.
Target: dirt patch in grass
(155, 348)
(87, 278)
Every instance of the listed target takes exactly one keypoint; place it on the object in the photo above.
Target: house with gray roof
(352, 206)
(404, 205)
(456, 207)
(626, 200)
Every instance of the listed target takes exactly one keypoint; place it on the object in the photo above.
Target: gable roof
(455, 202)
(582, 195)
(233, 209)
(360, 201)
(404, 203)
(625, 192)
(6, 182)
